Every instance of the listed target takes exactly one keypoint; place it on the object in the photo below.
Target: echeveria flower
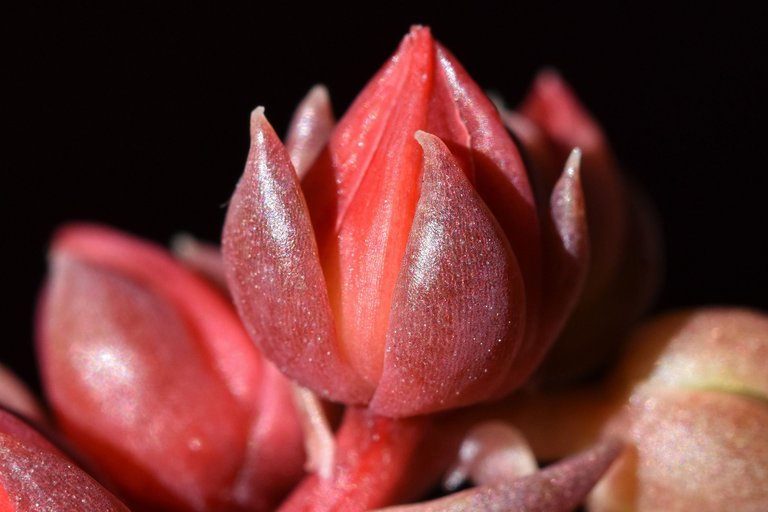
(151, 375)
(408, 269)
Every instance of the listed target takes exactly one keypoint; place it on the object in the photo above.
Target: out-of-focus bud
(625, 265)
(34, 475)
(151, 375)
(697, 416)
(409, 275)
(690, 399)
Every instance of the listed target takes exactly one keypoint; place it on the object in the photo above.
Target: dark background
(138, 118)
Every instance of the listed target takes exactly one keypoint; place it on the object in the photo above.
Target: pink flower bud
(410, 275)
(34, 475)
(152, 377)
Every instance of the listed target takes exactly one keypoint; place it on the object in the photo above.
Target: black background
(138, 117)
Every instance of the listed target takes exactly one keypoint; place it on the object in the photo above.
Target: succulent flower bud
(152, 377)
(409, 275)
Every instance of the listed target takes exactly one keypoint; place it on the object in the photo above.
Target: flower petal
(310, 129)
(566, 261)
(375, 168)
(107, 346)
(15, 396)
(458, 312)
(118, 313)
(499, 174)
(554, 108)
(274, 273)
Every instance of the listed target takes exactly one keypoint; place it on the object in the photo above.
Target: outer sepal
(274, 272)
(458, 310)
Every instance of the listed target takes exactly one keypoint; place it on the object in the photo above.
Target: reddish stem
(376, 465)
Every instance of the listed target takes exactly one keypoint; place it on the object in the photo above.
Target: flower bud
(697, 416)
(152, 377)
(625, 258)
(409, 275)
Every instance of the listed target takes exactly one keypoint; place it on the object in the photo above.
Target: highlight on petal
(458, 310)
(34, 475)
(117, 316)
(557, 488)
(310, 129)
(274, 272)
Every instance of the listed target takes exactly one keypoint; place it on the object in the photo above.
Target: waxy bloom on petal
(152, 377)
(409, 268)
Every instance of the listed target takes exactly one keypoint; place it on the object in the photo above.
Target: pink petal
(107, 347)
(499, 174)
(275, 276)
(36, 476)
(458, 312)
(310, 129)
(694, 450)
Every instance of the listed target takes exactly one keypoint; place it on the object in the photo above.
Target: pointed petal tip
(319, 92)
(549, 77)
(423, 138)
(573, 164)
(257, 118)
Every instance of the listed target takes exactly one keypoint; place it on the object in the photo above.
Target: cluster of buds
(382, 283)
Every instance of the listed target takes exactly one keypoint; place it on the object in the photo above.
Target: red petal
(275, 276)
(376, 165)
(458, 311)
(500, 176)
(36, 476)
(152, 375)
(108, 344)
